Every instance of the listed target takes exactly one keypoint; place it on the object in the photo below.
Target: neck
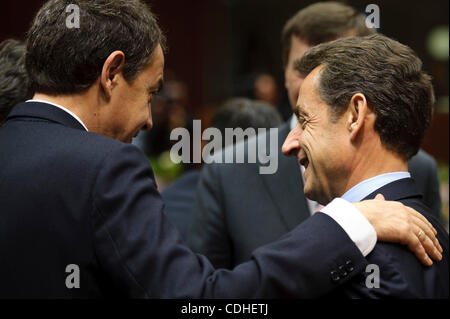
(80, 104)
(372, 162)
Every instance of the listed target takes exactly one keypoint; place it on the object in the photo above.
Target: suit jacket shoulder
(394, 271)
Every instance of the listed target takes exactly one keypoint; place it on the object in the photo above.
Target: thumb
(379, 197)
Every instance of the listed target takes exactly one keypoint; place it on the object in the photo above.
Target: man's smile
(303, 160)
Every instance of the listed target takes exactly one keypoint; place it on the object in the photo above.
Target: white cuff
(354, 224)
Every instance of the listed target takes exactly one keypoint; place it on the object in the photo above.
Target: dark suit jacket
(424, 171)
(233, 198)
(179, 198)
(68, 196)
(401, 274)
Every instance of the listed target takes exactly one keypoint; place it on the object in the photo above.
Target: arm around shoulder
(142, 255)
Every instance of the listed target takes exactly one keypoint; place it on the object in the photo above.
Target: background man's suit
(68, 196)
(179, 198)
(401, 275)
(232, 199)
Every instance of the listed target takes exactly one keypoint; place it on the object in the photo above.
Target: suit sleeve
(208, 233)
(395, 272)
(142, 255)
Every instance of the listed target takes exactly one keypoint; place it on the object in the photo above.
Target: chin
(315, 196)
(308, 193)
(127, 140)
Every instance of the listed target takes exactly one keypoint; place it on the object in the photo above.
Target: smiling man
(362, 111)
(230, 197)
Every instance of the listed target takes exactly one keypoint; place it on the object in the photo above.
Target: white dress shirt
(62, 108)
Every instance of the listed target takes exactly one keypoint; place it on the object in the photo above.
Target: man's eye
(302, 122)
(152, 94)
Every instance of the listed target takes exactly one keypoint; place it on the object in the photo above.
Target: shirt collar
(367, 187)
(64, 109)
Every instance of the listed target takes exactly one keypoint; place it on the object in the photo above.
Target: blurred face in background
(266, 89)
(292, 79)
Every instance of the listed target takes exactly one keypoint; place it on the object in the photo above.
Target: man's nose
(148, 126)
(149, 123)
(291, 145)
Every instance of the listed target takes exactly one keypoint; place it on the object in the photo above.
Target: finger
(427, 230)
(379, 197)
(428, 244)
(421, 217)
(414, 244)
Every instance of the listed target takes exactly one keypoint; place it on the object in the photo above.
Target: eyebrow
(157, 88)
(300, 113)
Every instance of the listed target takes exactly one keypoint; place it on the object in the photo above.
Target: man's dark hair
(62, 60)
(14, 83)
(245, 113)
(390, 76)
(322, 22)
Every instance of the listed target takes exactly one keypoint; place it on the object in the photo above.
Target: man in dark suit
(231, 197)
(179, 196)
(80, 215)
(363, 110)
(424, 172)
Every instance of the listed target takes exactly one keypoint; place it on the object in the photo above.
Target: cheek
(138, 114)
(328, 154)
(144, 113)
(149, 108)
(289, 78)
(142, 105)
(308, 139)
(317, 147)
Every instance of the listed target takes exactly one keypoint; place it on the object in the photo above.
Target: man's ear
(356, 115)
(112, 67)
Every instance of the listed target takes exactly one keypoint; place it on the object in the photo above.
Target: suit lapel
(44, 111)
(285, 187)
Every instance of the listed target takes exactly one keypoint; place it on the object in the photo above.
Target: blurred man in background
(179, 197)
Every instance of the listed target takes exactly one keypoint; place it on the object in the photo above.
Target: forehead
(309, 97)
(309, 87)
(154, 70)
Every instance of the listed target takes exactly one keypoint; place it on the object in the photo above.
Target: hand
(397, 223)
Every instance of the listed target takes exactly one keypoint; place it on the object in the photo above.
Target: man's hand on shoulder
(397, 223)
